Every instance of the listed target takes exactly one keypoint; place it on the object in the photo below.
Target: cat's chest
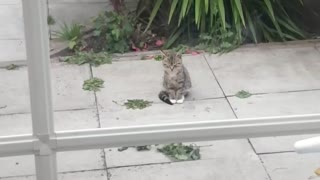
(172, 80)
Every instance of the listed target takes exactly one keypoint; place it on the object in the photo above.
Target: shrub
(72, 34)
(114, 30)
(247, 20)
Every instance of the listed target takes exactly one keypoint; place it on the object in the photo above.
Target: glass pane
(251, 81)
(15, 115)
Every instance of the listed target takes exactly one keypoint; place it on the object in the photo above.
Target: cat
(176, 79)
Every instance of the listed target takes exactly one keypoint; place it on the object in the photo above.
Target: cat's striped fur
(176, 79)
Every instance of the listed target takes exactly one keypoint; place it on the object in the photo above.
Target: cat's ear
(178, 55)
(164, 53)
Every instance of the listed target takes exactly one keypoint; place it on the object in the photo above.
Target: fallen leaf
(243, 94)
(317, 172)
(147, 57)
(122, 149)
(11, 67)
(143, 148)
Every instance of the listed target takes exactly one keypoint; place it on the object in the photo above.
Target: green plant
(94, 59)
(51, 21)
(250, 20)
(181, 152)
(93, 84)
(12, 67)
(243, 94)
(72, 34)
(137, 104)
(114, 30)
(219, 41)
(158, 57)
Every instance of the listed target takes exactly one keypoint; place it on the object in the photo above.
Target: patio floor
(284, 80)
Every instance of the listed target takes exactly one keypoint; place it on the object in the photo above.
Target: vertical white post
(37, 44)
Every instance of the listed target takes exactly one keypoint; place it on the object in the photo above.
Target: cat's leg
(172, 96)
(180, 101)
(180, 96)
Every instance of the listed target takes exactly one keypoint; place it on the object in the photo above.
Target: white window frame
(45, 141)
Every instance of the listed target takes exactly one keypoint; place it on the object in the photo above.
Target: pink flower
(159, 43)
(194, 53)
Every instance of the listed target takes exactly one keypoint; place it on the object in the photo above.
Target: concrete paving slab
(67, 92)
(7, 2)
(12, 22)
(280, 104)
(15, 124)
(80, 160)
(61, 13)
(63, 120)
(67, 81)
(216, 150)
(143, 80)
(14, 90)
(318, 46)
(87, 175)
(159, 113)
(241, 163)
(12, 52)
(67, 161)
(132, 157)
(265, 69)
(291, 166)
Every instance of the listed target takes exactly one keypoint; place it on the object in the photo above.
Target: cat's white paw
(173, 101)
(180, 101)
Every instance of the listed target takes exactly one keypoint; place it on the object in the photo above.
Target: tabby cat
(176, 79)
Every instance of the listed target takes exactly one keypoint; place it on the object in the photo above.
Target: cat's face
(172, 61)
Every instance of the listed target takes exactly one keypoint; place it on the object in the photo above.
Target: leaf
(11, 67)
(251, 27)
(146, 57)
(222, 12)
(137, 104)
(243, 94)
(153, 13)
(274, 21)
(72, 44)
(183, 10)
(269, 6)
(172, 9)
(197, 9)
(317, 172)
(94, 84)
(143, 148)
(239, 7)
(96, 33)
(289, 27)
(206, 6)
(181, 157)
(181, 152)
(94, 59)
(174, 37)
(184, 7)
(122, 149)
